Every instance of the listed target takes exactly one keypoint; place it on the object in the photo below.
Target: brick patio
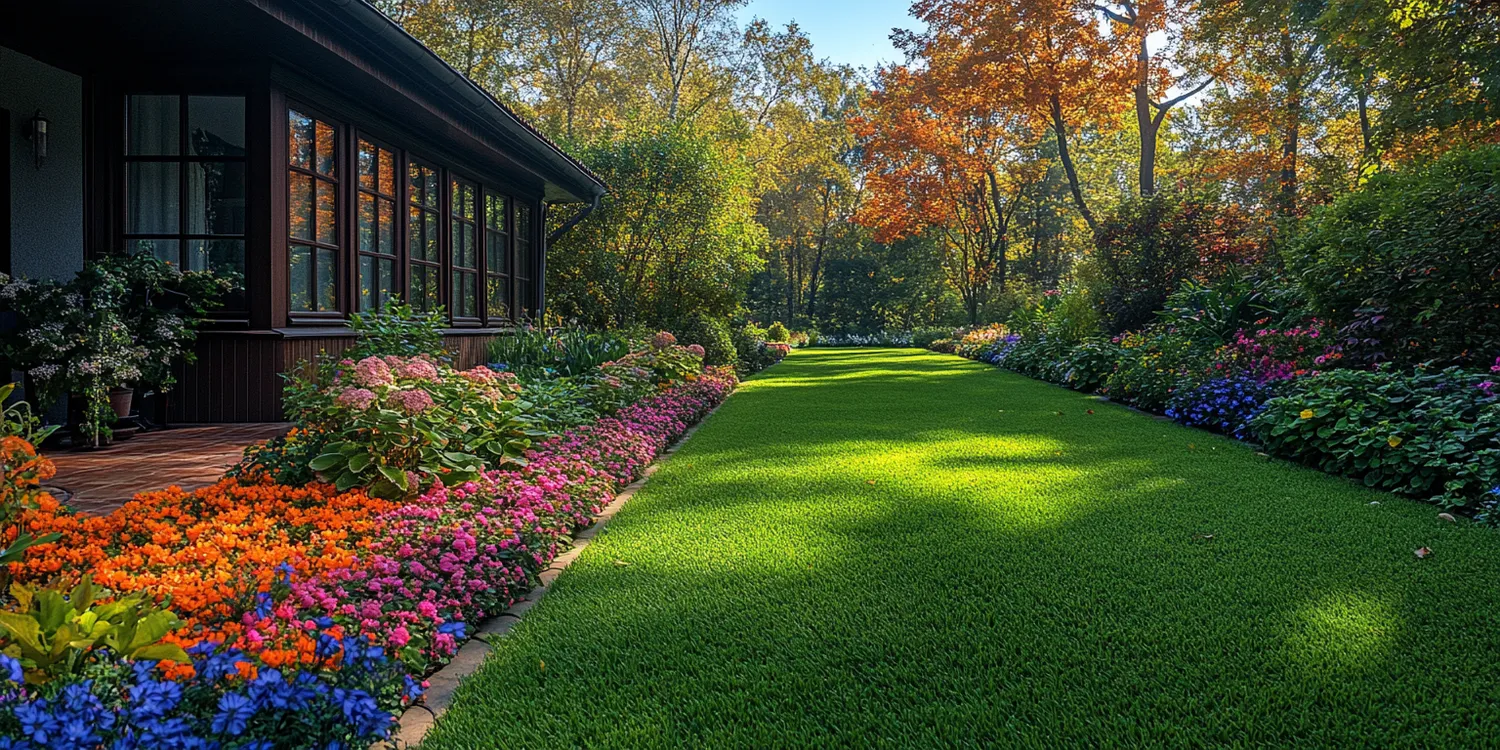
(99, 481)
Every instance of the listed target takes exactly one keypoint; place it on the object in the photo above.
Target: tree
(679, 38)
(676, 235)
(572, 48)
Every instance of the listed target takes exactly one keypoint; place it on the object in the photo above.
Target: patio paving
(99, 481)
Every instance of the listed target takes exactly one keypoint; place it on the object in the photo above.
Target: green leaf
(360, 462)
(327, 461)
(395, 476)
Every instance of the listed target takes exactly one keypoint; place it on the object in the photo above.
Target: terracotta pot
(120, 399)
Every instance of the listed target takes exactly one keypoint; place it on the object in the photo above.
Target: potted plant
(121, 322)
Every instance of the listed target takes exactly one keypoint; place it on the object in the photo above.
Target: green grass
(903, 549)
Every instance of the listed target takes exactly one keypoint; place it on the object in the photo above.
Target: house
(310, 149)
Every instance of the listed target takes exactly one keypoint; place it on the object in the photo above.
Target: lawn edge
(420, 718)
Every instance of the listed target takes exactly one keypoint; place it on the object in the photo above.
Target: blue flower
(11, 668)
(455, 629)
(235, 711)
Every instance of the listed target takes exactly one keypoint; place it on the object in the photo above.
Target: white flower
(43, 372)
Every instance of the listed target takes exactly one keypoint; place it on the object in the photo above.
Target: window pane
(216, 197)
(300, 206)
(523, 259)
(327, 225)
(387, 183)
(494, 212)
(367, 222)
(324, 136)
(387, 225)
(434, 292)
(153, 125)
(414, 233)
(300, 139)
(152, 198)
(300, 257)
(216, 125)
(368, 283)
(496, 258)
(387, 279)
(167, 251)
(325, 280)
(430, 238)
(367, 165)
(499, 297)
(226, 258)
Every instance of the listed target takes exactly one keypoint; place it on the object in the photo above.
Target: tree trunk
(1145, 123)
(1069, 168)
(1291, 129)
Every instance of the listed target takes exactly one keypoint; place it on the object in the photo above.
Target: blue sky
(853, 32)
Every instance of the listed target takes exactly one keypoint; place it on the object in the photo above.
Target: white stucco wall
(46, 205)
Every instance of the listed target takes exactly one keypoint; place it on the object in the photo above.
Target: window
(312, 213)
(185, 183)
(497, 257)
(424, 263)
(526, 289)
(377, 226)
(464, 249)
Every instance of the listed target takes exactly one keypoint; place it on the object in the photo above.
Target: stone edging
(420, 717)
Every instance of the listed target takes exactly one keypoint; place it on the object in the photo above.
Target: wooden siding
(237, 377)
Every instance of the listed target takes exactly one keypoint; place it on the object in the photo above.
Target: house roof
(575, 179)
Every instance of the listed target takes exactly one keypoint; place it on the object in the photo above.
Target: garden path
(898, 548)
(99, 481)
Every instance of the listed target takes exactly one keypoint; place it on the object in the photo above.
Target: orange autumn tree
(1048, 64)
(942, 163)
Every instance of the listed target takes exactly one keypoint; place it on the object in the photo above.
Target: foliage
(22, 469)
(1088, 366)
(396, 330)
(1145, 250)
(1214, 313)
(1270, 354)
(393, 423)
(1153, 364)
(676, 235)
(536, 353)
(1431, 434)
(55, 636)
(778, 333)
(710, 333)
(1421, 245)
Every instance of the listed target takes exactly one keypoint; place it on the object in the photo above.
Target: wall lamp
(36, 132)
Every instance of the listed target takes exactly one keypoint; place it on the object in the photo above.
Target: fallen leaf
(1058, 413)
(870, 482)
(1192, 446)
(1447, 517)
(541, 664)
(1374, 502)
(621, 564)
(1423, 553)
(1091, 411)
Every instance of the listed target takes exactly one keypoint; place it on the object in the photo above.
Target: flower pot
(120, 399)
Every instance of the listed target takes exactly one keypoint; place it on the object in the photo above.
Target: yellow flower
(1307, 414)
(1393, 441)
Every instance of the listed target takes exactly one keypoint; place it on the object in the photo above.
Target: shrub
(396, 330)
(713, 335)
(1087, 367)
(537, 353)
(778, 333)
(1149, 247)
(1154, 363)
(1419, 247)
(924, 337)
(392, 423)
(1269, 354)
(1214, 313)
(1431, 435)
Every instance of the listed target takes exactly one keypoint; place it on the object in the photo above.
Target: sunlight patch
(1343, 631)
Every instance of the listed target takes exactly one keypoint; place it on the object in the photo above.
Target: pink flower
(400, 637)
(413, 400)
(663, 340)
(695, 350)
(372, 372)
(358, 399)
(417, 369)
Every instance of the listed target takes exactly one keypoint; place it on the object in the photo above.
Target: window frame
(341, 131)
(184, 159)
(450, 260)
(508, 277)
(398, 220)
(525, 288)
(441, 211)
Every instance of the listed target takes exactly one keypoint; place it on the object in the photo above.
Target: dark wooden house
(310, 149)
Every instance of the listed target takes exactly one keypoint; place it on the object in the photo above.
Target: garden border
(419, 718)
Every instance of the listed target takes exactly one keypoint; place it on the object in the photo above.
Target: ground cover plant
(253, 613)
(910, 547)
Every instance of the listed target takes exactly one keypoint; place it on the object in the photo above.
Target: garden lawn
(905, 549)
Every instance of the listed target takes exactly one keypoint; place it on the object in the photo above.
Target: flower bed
(310, 615)
(1431, 435)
